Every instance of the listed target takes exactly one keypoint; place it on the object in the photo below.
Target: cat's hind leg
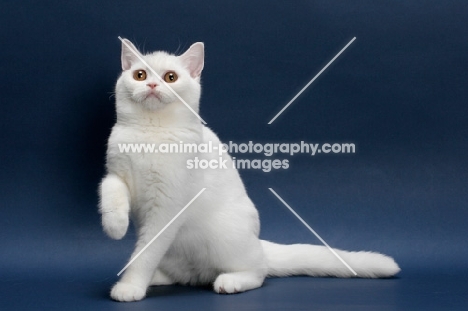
(236, 282)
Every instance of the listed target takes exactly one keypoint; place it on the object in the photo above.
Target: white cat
(216, 240)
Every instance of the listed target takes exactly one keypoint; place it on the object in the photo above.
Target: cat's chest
(149, 152)
(122, 134)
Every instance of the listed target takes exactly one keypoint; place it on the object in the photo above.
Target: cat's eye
(170, 77)
(139, 75)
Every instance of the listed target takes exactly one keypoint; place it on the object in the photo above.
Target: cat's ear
(193, 59)
(128, 54)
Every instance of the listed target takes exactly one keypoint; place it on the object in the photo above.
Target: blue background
(398, 92)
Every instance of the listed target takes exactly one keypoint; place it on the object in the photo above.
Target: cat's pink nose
(152, 85)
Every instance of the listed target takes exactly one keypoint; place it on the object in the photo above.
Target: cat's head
(159, 82)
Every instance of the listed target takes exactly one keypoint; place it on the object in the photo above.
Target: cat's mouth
(153, 95)
(153, 100)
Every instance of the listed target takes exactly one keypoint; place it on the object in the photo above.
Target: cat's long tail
(314, 260)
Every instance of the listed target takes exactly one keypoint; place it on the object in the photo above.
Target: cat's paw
(115, 224)
(114, 206)
(227, 284)
(127, 292)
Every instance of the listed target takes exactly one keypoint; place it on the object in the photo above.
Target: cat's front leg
(147, 254)
(114, 206)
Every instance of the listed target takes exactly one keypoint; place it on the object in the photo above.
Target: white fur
(215, 241)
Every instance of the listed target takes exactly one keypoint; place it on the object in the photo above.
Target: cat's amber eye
(139, 75)
(170, 77)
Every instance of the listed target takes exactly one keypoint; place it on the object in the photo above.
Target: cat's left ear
(129, 54)
(193, 59)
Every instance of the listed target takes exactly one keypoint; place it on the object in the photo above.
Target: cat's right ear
(129, 54)
(193, 59)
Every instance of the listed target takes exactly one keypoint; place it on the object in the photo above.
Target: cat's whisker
(128, 94)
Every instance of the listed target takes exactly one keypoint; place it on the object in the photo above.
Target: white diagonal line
(162, 80)
(310, 82)
(160, 232)
(313, 231)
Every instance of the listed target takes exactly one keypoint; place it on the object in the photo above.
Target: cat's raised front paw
(127, 292)
(115, 224)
